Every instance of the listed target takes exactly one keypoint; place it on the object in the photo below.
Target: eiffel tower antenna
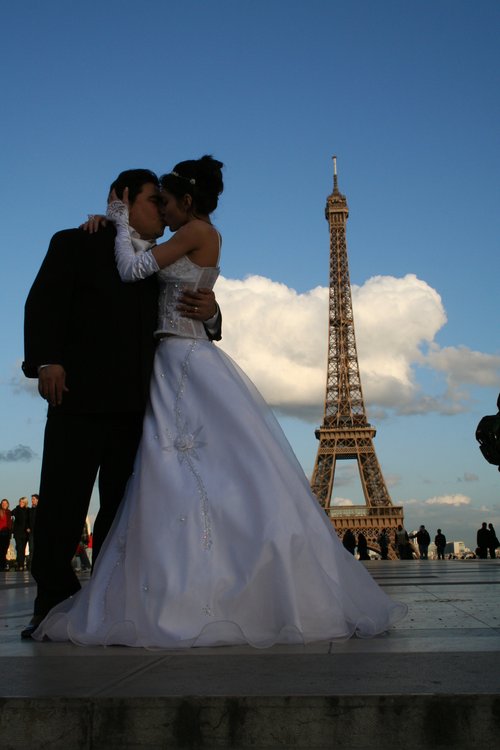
(345, 432)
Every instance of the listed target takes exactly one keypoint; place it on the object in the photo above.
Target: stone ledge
(259, 723)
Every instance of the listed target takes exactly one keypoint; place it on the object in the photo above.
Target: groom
(89, 341)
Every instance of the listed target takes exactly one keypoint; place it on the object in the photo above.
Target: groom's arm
(202, 305)
(213, 326)
(48, 304)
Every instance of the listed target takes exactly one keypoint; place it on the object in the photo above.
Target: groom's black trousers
(76, 448)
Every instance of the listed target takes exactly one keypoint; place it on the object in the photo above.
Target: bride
(218, 540)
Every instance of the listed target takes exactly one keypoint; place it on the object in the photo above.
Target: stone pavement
(433, 681)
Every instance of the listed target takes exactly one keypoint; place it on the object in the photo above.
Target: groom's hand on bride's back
(199, 305)
(94, 223)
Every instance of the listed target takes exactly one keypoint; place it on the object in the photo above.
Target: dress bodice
(174, 279)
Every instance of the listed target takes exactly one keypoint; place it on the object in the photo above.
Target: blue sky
(406, 95)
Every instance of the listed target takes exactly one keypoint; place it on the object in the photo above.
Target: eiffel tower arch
(345, 433)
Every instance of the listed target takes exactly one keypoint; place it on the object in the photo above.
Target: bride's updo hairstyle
(199, 178)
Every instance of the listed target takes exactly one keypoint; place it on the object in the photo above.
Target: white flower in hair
(181, 177)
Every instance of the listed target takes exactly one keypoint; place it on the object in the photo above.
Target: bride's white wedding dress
(219, 539)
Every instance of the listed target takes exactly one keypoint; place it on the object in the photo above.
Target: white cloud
(469, 477)
(341, 501)
(463, 365)
(456, 500)
(393, 319)
(392, 480)
(279, 337)
(21, 384)
(19, 453)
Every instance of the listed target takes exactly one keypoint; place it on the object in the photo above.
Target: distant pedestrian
(81, 550)
(493, 542)
(20, 530)
(383, 543)
(32, 520)
(402, 542)
(362, 547)
(423, 541)
(5, 532)
(482, 540)
(82, 557)
(349, 541)
(89, 547)
(440, 542)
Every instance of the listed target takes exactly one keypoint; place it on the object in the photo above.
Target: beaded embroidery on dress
(183, 274)
(218, 540)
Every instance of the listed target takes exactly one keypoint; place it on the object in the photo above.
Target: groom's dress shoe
(30, 629)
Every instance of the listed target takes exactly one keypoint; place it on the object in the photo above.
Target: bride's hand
(93, 223)
(124, 199)
(96, 221)
(118, 208)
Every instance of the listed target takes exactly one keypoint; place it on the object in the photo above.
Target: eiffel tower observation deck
(345, 433)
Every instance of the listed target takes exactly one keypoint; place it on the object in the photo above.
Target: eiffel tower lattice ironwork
(345, 432)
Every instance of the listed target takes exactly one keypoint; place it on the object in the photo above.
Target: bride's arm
(132, 266)
(199, 305)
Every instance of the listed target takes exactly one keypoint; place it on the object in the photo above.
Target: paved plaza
(433, 681)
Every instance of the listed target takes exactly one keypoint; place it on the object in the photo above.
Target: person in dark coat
(440, 542)
(89, 341)
(423, 541)
(493, 542)
(21, 530)
(383, 543)
(483, 541)
(349, 541)
(362, 547)
(32, 521)
(402, 542)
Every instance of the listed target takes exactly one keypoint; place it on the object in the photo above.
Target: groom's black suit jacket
(79, 314)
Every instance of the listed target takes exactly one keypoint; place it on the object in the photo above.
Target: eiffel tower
(345, 432)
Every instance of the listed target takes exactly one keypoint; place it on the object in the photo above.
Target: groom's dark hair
(134, 179)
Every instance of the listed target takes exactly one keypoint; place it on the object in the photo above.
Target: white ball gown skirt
(218, 540)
